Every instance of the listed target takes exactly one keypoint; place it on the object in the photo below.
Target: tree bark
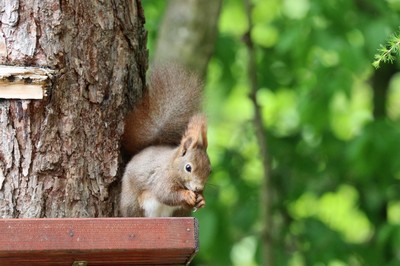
(187, 33)
(60, 156)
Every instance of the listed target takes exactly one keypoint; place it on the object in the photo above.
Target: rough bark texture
(60, 156)
(188, 32)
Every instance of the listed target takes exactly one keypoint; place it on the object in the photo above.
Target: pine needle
(389, 52)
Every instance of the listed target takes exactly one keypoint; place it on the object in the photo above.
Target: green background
(331, 121)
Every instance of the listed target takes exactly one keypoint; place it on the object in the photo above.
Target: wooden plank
(24, 82)
(21, 91)
(98, 241)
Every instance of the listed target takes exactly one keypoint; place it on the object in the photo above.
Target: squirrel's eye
(188, 167)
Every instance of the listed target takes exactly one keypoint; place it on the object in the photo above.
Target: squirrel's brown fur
(167, 175)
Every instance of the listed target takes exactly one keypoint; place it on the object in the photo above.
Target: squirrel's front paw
(200, 201)
(189, 198)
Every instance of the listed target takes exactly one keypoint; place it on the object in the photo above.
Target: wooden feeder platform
(98, 241)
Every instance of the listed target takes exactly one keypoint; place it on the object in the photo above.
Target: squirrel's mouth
(195, 190)
(188, 188)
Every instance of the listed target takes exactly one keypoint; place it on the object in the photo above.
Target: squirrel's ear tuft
(197, 133)
(203, 136)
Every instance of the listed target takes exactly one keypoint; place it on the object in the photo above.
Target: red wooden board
(98, 241)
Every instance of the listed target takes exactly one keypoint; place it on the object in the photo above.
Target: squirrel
(168, 137)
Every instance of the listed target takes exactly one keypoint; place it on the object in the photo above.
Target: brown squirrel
(167, 174)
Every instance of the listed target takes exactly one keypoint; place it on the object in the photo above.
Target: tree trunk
(60, 156)
(188, 32)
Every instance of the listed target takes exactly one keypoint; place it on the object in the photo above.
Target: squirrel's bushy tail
(172, 97)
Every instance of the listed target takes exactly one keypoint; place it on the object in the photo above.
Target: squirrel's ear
(195, 135)
(201, 140)
(203, 136)
(185, 145)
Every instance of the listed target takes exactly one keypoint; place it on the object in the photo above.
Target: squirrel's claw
(200, 201)
(194, 200)
(189, 198)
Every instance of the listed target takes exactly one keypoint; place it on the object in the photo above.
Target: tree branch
(266, 190)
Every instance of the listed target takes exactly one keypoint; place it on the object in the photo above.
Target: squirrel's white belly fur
(153, 208)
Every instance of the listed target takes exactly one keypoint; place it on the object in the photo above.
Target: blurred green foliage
(335, 158)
